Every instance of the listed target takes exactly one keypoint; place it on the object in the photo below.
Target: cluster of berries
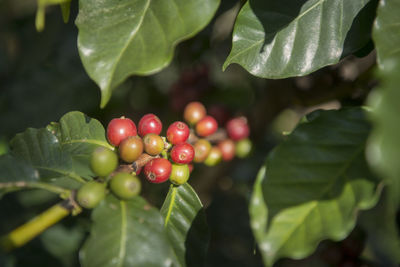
(161, 158)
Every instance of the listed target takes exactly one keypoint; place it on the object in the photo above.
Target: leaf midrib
(171, 205)
(122, 243)
(315, 202)
(112, 71)
(88, 141)
(277, 32)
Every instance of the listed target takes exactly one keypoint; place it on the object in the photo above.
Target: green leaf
(119, 39)
(186, 225)
(79, 135)
(126, 233)
(278, 39)
(384, 142)
(312, 185)
(386, 32)
(63, 242)
(382, 235)
(42, 150)
(13, 170)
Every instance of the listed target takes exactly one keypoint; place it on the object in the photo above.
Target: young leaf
(42, 150)
(143, 41)
(126, 233)
(312, 185)
(186, 225)
(278, 39)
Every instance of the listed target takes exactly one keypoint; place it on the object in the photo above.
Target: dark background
(42, 78)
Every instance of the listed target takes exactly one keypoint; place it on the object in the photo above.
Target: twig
(26, 232)
(216, 137)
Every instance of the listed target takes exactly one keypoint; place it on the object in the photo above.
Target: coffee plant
(129, 185)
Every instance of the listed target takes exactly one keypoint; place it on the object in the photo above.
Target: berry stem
(26, 232)
(136, 165)
(216, 137)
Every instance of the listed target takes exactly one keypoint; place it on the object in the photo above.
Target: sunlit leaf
(126, 233)
(186, 225)
(119, 39)
(278, 39)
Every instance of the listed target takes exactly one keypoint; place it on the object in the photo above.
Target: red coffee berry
(120, 128)
(194, 111)
(153, 144)
(130, 148)
(201, 149)
(238, 128)
(178, 132)
(157, 170)
(206, 126)
(182, 153)
(149, 123)
(227, 148)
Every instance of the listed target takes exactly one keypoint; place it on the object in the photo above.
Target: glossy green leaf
(79, 135)
(278, 39)
(386, 32)
(312, 185)
(126, 233)
(119, 39)
(42, 150)
(186, 225)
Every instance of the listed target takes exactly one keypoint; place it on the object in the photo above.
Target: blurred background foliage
(42, 78)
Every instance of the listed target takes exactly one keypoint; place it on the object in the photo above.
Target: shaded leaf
(386, 32)
(382, 235)
(65, 10)
(119, 39)
(384, 142)
(63, 243)
(186, 225)
(279, 39)
(13, 170)
(126, 233)
(42, 150)
(312, 185)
